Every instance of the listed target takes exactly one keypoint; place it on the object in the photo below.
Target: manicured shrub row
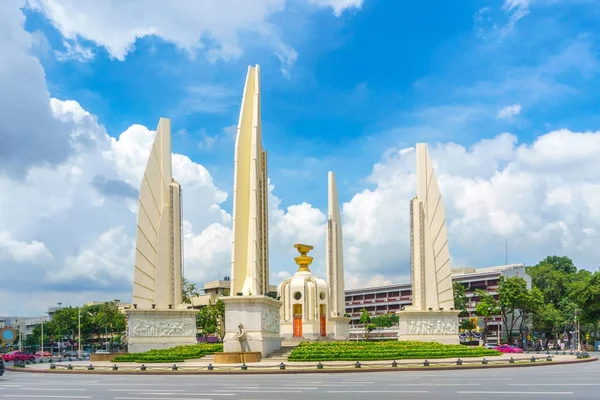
(175, 354)
(370, 351)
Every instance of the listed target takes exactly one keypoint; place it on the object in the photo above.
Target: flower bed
(175, 354)
(371, 351)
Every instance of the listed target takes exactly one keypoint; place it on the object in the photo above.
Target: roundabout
(577, 381)
(299, 367)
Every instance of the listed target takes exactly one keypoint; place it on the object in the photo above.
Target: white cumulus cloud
(215, 27)
(509, 111)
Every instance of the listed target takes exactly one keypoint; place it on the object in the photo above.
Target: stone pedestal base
(237, 358)
(160, 329)
(341, 328)
(429, 326)
(259, 316)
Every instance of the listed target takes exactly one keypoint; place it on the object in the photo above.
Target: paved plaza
(574, 381)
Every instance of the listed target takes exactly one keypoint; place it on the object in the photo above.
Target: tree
(467, 325)
(587, 297)
(552, 282)
(211, 319)
(365, 319)
(562, 264)
(549, 321)
(512, 296)
(385, 321)
(460, 299)
(486, 308)
(64, 323)
(532, 304)
(111, 318)
(189, 290)
(378, 322)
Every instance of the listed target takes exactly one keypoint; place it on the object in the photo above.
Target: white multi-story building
(389, 299)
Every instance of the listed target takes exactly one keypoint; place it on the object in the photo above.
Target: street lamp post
(42, 347)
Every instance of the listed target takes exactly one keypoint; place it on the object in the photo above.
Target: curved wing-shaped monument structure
(250, 252)
(158, 262)
(430, 258)
(432, 316)
(248, 307)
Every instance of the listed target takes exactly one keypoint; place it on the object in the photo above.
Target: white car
(102, 352)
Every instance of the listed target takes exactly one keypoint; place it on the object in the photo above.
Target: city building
(26, 323)
(213, 290)
(391, 298)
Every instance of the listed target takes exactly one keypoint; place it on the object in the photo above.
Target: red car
(43, 354)
(504, 348)
(18, 355)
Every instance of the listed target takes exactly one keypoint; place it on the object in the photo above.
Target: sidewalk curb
(301, 371)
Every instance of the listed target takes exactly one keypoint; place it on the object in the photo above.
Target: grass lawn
(389, 350)
(175, 354)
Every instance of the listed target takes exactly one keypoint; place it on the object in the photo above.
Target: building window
(297, 295)
(322, 295)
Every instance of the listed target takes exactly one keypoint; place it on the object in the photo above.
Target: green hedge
(175, 354)
(371, 351)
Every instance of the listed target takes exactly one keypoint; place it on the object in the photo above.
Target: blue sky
(503, 92)
(389, 74)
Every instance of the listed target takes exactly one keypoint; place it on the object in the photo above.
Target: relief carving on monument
(153, 327)
(426, 326)
(270, 321)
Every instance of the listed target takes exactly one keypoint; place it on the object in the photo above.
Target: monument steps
(282, 354)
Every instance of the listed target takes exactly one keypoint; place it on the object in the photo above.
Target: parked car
(43, 354)
(18, 355)
(1, 366)
(102, 352)
(490, 346)
(504, 348)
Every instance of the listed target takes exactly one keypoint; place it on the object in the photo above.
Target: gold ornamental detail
(303, 260)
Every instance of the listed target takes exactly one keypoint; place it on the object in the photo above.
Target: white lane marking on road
(235, 390)
(435, 384)
(505, 392)
(377, 391)
(479, 377)
(61, 389)
(159, 398)
(554, 384)
(146, 390)
(323, 385)
(9, 385)
(166, 393)
(46, 396)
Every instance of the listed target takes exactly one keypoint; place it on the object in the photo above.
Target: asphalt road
(576, 381)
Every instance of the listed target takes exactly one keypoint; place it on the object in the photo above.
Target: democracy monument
(305, 306)
(158, 319)
(431, 317)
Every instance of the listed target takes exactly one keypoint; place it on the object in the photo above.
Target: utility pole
(578, 331)
(78, 332)
(20, 323)
(42, 346)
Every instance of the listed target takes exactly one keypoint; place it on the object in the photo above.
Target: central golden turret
(303, 260)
